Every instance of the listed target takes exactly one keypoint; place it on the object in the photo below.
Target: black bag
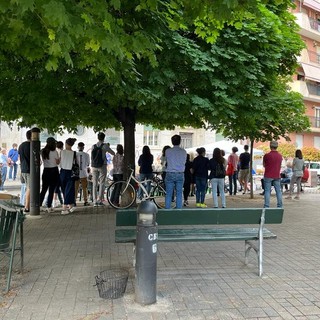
(97, 159)
(220, 171)
(75, 170)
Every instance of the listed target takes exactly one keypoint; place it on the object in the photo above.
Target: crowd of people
(183, 175)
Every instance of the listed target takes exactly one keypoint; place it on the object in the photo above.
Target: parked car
(314, 166)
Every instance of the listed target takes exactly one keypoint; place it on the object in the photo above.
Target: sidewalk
(200, 280)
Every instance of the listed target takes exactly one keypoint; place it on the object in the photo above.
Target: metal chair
(11, 217)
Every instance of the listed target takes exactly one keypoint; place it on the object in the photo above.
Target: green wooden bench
(206, 225)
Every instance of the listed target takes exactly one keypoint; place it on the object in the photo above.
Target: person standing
(200, 168)
(217, 167)
(67, 157)
(83, 160)
(118, 169)
(57, 197)
(187, 180)
(244, 160)
(297, 169)
(24, 156)
(233, 159)
(163, 162)
(4, 163)
(176, 160)
(145, 162)
(13, 156)
(50, 174)
(272, 167)
(99, 168)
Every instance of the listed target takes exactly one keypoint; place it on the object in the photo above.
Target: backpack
(220, 171)
(97, 159)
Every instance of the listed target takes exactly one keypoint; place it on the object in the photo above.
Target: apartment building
(307, 79)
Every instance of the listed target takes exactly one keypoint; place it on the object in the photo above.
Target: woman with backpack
(217, 167)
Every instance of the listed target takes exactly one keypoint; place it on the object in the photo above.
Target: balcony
(308, 56)
(313, 4)
(314, 123)
(310, 91)
(309, 27)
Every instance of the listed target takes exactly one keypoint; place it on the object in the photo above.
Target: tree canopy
(163, 63)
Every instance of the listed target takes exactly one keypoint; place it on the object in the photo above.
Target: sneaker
(85, 204)
(64, 212)
(288, 197)
(100, 203)
(48, 210)
(198, 205)
(296, 197)
(186, 203)
(96, 204)
(72, 209)
(203, 205)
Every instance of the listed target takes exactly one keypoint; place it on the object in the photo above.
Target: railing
(313, 89)
(315, 122)
(314, 56)
(314, 24)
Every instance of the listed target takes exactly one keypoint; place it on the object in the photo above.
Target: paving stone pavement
(195, 280)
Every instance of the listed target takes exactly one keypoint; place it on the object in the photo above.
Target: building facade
(307, 79)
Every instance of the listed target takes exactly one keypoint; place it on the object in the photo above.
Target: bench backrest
(128, 217)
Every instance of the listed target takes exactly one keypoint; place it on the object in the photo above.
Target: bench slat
(174, 235)
(207, 216)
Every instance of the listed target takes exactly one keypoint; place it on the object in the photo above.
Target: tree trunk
(128, 122)
(250, 169)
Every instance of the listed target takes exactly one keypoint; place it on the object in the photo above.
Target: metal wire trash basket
(112, 283)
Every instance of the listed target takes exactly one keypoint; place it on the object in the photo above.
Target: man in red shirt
(272, 167)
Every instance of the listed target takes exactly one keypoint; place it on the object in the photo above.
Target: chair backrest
(8, 217)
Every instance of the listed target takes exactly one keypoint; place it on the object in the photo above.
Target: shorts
(26, 178)
(244, 175)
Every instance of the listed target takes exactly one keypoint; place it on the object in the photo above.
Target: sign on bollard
(146, 254)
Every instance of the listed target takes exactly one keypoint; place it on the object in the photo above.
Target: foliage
(287, 150)
(164, 63)
(311, 153)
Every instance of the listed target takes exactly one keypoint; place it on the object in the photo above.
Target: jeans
(174, 180)
(13, 169)
(50, 177)
(201, 186)
(3, 176)
(267, 191)
(98, 182)
(142, 177)
(216, 184)
(233, 183)
(117, 189)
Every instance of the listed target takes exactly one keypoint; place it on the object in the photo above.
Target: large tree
(158, 67)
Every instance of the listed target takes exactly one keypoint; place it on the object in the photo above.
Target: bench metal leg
(259, 251)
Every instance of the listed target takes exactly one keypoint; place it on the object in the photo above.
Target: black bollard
(146, 254)
(35, 172)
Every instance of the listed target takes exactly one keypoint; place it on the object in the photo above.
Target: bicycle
(122, 194)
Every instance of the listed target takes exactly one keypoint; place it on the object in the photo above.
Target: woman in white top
(67, 184)
(50, 175)
(297, 168)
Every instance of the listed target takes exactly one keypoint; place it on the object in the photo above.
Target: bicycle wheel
(121, 195)
(159, 196)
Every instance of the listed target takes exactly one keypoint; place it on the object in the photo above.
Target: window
(150, 136)
(186, 139)
(316, 142)
(299, 141)
(317, 117)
